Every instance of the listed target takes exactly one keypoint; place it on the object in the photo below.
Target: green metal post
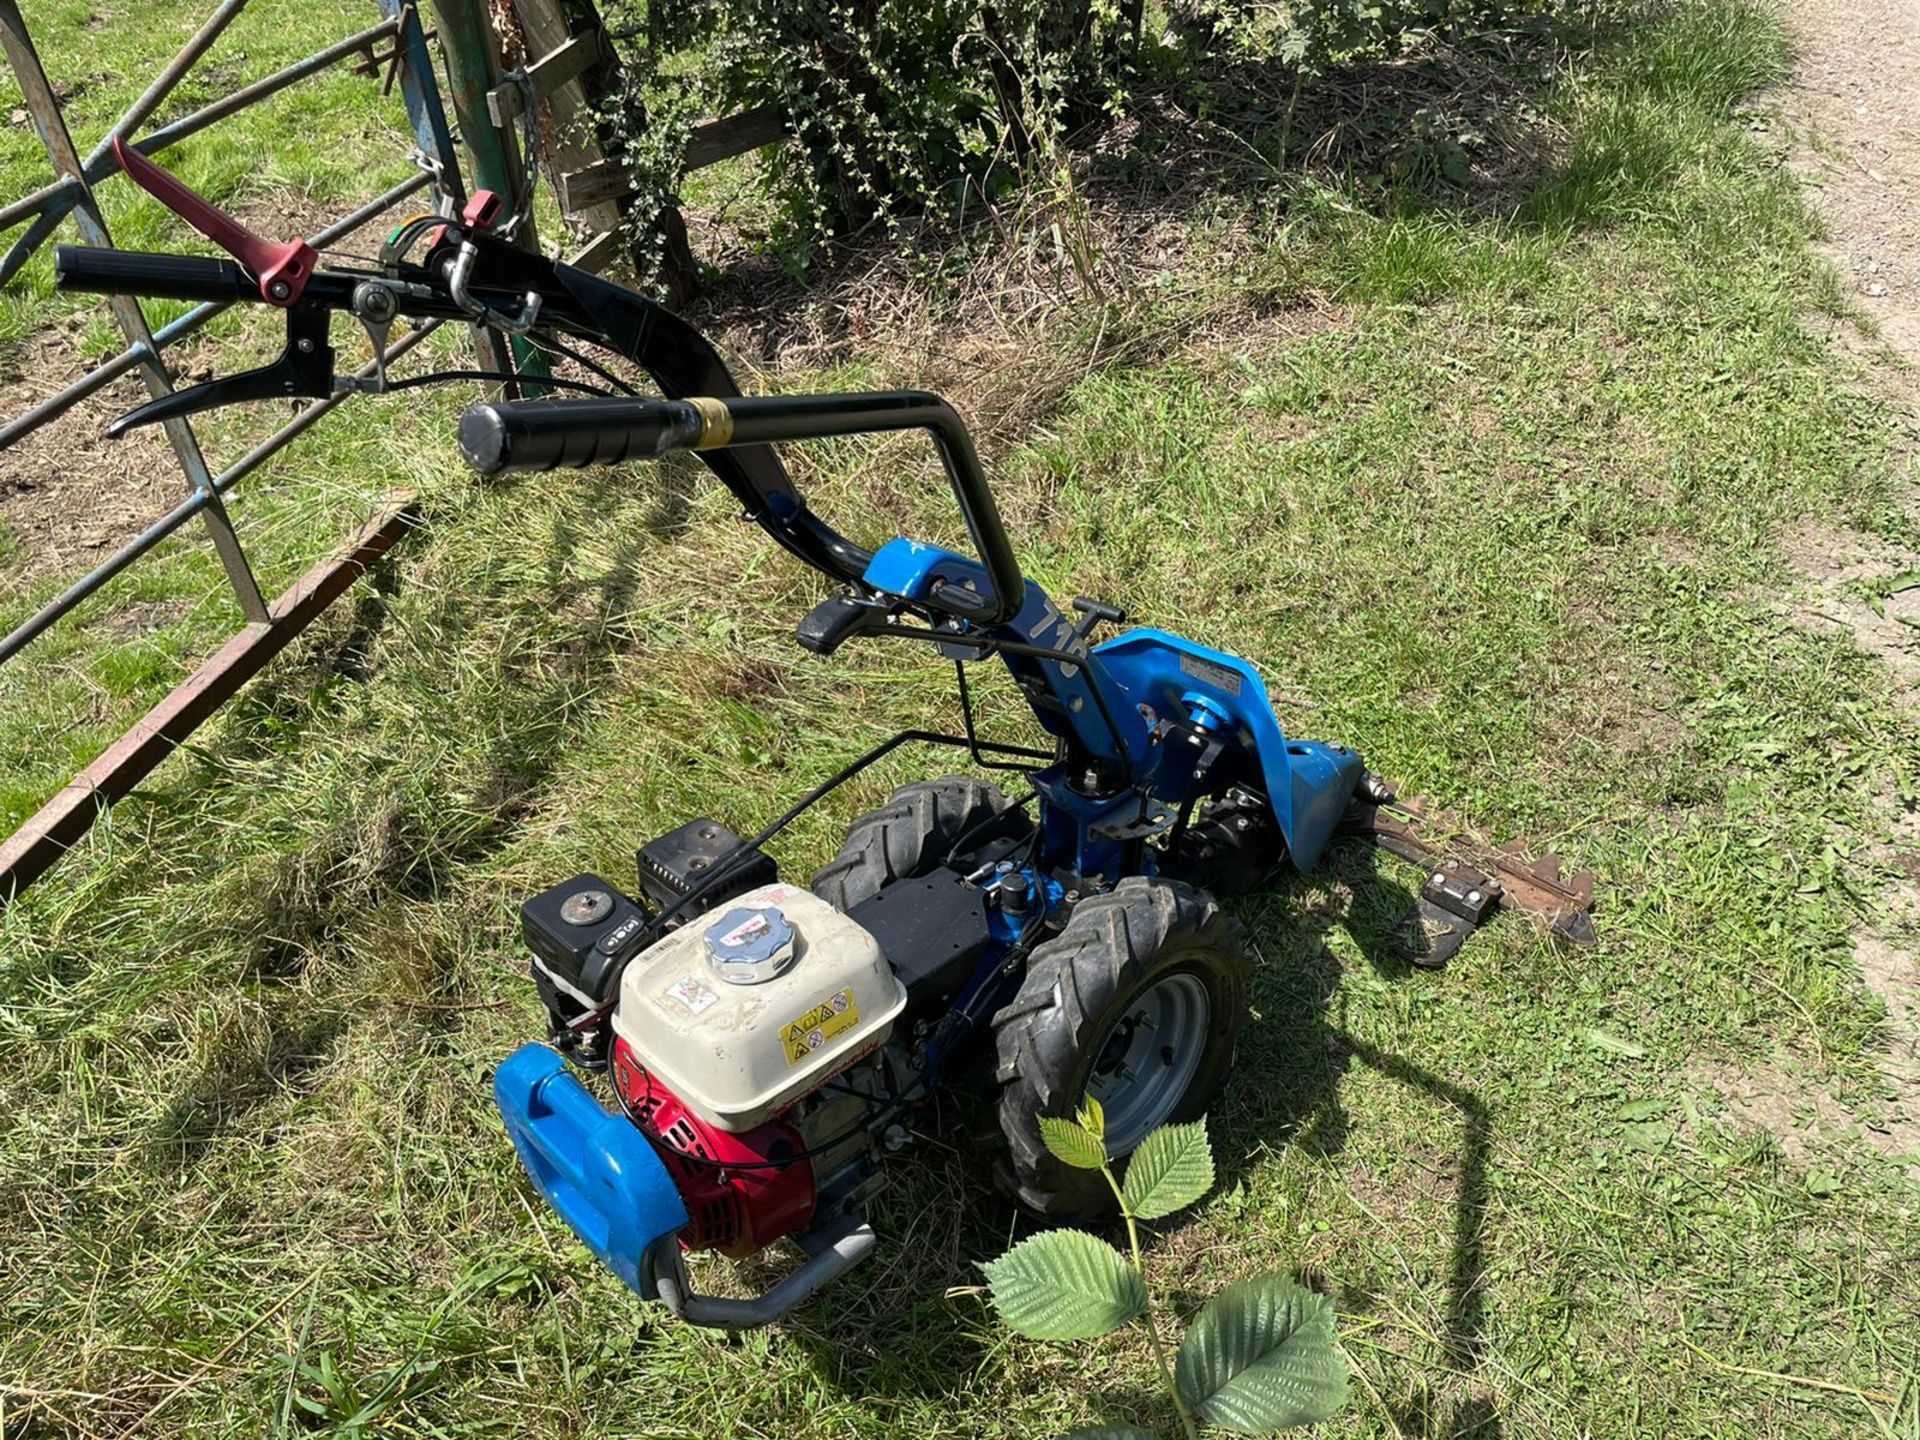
(472, 52)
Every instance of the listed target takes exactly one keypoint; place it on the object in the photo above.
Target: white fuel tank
(756, 1003)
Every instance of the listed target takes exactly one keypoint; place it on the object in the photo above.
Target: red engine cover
(734, 1211)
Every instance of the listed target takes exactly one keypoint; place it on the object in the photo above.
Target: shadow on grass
(1285, 1090)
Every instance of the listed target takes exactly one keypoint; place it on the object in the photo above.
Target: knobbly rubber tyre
(908, 836)
(1080, 987)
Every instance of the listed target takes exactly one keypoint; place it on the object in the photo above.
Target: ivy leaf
(1072, 1143)
(1172, 1168)
(1263, 1356)
(1110, 1432)
(1065, 1285)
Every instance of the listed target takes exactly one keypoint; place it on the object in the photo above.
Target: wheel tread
(906, 836)
(1073, 981)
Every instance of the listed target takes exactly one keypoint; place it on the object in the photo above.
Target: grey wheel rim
(1145, 1063)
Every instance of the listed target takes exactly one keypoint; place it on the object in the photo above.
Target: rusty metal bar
(108, 371)
(1414, 832)
(52, 202)
(51, 832)
(359, 43)
(52, 125)
(31, 628)
(150, 100)
(171, 74)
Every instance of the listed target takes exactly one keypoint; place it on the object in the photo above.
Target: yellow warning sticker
(832, 1016)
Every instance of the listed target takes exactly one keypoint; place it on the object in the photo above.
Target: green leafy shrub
(898, 107)
(1262, 1356)
(914, 107)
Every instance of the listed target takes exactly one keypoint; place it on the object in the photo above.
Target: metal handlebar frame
(547, 434)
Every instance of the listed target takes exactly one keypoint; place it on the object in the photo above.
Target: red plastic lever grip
(281, 269)
(482, 210)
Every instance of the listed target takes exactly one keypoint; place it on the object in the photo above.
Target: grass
(1496, 492)
(299, 159)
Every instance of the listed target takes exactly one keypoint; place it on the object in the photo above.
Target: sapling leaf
(1263, 1356)
(1111, 1432)
(1093, 1117)
(1172, 1168)
(1071, 1143)
(1065, 1285)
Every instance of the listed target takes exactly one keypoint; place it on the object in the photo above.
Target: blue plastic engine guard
(599, 1173)
(595, 1168)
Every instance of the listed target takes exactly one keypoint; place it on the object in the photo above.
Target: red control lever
(483, 208)
(282, 269)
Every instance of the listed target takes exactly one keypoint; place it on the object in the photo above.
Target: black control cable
(436, 377)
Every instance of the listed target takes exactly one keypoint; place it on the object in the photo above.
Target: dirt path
(1853, 115)
(1855, 107)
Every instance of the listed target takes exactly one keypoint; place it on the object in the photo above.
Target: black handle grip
(552, 434)
(836, 620)
(547, 434)
(162, 277)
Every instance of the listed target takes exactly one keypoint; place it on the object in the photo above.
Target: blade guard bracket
(281, 269)
(1309, 782)
(594, 1167)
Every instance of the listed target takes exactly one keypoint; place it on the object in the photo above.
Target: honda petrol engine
(749, 1044)
(735, 1039)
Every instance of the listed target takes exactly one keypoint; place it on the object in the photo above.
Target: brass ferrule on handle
(716, 422)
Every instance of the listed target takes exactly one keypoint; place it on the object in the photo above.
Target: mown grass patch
(1506, 516)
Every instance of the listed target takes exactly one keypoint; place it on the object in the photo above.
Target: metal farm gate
(394, 53)
(563, 63)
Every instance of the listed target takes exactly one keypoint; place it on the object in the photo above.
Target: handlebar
(531, 435)
(675, 355)
(102, 271)
(522, 435)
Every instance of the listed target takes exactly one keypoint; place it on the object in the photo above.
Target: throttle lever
(280, 269)
(305, 368)
(836, 620)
